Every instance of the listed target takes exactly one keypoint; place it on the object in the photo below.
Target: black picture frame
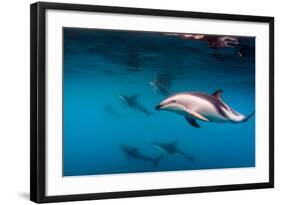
(38, 101)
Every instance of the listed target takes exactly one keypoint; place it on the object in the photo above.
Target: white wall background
(14, 101)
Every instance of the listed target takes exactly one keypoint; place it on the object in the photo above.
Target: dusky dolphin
(173, 149)
(132, 102)
(159, 88)
(136, 154)
(201, 106)
(161, 84)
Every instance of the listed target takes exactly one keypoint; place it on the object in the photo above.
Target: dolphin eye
(174, 101)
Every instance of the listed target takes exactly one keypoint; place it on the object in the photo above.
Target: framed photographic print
(129, 102)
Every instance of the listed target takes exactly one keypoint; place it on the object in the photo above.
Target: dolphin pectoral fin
(218, 94)
(192, 121)
(156, 160)
(197, 115)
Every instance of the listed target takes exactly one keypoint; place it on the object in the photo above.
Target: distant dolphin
(132, 102)
(173, 149)
(134, 153)
(159, 88)
(201, 106)
(161, 84)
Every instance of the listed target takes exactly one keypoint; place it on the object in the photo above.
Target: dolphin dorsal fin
(217, 94)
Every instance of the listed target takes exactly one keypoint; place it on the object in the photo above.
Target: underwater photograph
(139, 101)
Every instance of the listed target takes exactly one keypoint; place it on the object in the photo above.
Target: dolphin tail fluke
(156, 161)
(248, 117)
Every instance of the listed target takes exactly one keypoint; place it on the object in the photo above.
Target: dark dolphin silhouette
(136, 154)
(173, 149)
(132, 102)
(161, 84)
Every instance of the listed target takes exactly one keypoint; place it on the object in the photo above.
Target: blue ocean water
(99, 65)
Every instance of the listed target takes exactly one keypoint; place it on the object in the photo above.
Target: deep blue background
(97, 67)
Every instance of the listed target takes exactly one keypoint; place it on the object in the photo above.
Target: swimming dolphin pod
(136, 154)
(201, 106)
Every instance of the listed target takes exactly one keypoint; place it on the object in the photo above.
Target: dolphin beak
(158, 107)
